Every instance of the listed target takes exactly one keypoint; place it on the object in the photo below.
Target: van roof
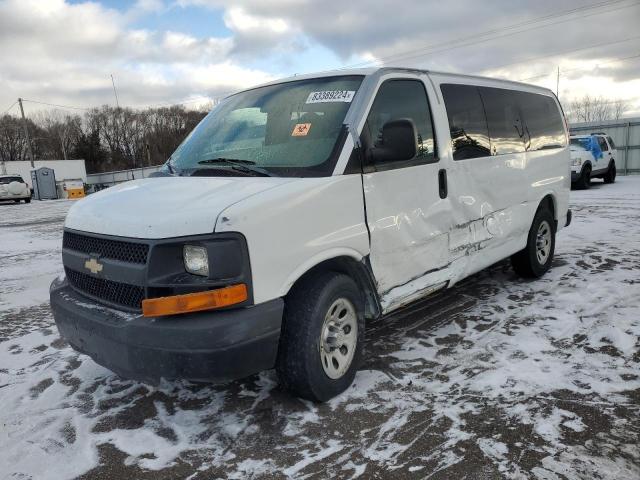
(383, 70)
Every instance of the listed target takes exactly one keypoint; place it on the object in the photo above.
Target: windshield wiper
(245, 166)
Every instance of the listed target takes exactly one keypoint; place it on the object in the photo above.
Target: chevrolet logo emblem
(93, 266)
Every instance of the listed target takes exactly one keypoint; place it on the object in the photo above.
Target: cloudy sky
(170, 51)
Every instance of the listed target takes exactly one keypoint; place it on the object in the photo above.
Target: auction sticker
(331, 96)
(301, 129)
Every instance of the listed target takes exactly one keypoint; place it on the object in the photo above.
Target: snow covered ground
(496, 378)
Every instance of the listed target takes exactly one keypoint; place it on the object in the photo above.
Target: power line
(496, 30)
(475, 39)
(56, 105)
(573, 50)
(621, 59)
(12, 105)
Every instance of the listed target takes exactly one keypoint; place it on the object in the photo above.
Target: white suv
(592, 156)
(13, 187)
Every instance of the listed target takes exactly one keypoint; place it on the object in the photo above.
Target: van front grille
(123, 251)
(123, 294)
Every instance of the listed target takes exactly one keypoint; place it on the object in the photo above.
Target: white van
(297, 210)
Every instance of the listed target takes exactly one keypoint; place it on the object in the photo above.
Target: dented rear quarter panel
(491, 202)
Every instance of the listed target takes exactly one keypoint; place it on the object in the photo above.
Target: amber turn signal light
(195, 302)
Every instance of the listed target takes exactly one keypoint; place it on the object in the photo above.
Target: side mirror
(398, 142)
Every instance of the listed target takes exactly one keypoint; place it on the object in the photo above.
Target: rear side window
(397, 99)
(542, 120)
(506, 129)
(467, 121)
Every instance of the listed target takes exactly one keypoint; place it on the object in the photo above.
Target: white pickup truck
(13, 187)
(592, 156)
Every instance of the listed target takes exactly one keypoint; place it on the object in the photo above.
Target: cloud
(64, 53)
(428, 34)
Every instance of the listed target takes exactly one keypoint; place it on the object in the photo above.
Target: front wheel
(584, 180)
(535, 259)
(610, 176)
(321, 345)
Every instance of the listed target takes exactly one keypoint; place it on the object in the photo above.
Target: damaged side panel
(409, 226)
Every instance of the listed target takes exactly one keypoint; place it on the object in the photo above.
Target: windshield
(580, 143)
(289, 129)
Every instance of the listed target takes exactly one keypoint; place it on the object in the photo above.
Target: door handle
(442, 183)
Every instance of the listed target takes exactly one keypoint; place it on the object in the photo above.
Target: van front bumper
(207, 346)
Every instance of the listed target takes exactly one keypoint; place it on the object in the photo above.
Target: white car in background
(592, 156)
(13, 187)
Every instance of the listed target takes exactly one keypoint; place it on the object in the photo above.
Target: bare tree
(13, 144)
(596, 109)
(107, 138)
(59, 132)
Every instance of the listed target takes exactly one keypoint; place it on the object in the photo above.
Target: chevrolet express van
(300, 209)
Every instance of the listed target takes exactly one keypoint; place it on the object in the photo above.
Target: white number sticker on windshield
(331, 96)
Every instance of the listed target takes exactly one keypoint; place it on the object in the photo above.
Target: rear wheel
(584, 180)
(610, 176)
(27, 200)
(535, 259)
(321, 344)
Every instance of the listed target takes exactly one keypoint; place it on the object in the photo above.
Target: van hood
(164, 207)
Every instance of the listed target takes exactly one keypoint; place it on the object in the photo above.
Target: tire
(584, 180)
(16, 201)
(304, 362)
(610, 176)
(529, 262)
(27, 200)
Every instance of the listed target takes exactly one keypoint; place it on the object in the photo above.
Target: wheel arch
(358, 270)
(549, 201)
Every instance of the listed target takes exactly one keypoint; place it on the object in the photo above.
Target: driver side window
(401, 99)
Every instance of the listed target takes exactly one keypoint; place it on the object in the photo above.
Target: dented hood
(164, 207)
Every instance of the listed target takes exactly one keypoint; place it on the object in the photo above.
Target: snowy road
(496, 378)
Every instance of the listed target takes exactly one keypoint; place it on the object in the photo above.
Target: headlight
(576, 162)
(196, 260)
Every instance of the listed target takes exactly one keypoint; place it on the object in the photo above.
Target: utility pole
(558, 83)
(114, 91)
(26, 133)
